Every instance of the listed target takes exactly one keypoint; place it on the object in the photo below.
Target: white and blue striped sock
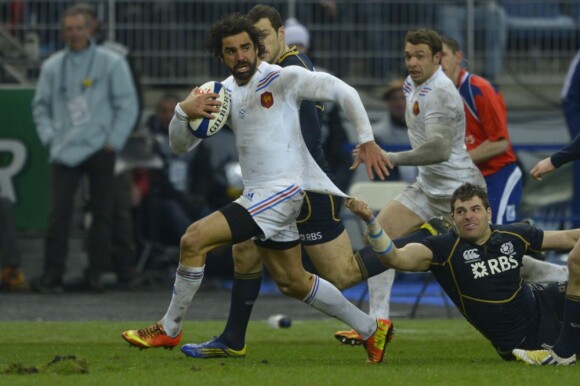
(327, 298)
(187, 282)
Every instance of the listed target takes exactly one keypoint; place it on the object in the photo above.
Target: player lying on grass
(478, 265)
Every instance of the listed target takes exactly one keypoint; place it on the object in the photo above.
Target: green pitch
(424, 352)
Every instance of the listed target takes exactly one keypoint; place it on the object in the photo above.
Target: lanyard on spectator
(87, 82)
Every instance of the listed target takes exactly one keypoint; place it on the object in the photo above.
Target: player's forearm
(560, 240)
(349, 100)
(487, 150)
(437, 150)
(388, 253)
(181, 139)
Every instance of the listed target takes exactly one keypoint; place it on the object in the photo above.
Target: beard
(246, 75)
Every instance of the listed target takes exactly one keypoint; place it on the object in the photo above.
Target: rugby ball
(205, 127)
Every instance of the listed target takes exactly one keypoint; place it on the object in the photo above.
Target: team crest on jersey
(416, 108)
(267, 99)
(507, 248)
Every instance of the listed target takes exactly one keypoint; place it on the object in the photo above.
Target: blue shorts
(504, 189)
(319, 219)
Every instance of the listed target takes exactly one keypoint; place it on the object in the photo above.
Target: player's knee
(191, 242)
(290, 286)
(291, 289)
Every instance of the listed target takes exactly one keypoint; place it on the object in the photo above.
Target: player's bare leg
(335, 261)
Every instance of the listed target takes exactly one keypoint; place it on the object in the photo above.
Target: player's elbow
(177, 148)
(440, 149)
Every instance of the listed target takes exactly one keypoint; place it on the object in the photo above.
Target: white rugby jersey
(264, 118)
(434, 99)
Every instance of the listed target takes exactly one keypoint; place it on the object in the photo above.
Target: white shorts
(275, 210)
(423, 205)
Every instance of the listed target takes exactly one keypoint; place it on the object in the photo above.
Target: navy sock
(245, 290)
(568, 342)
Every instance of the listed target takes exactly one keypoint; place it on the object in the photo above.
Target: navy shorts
(550, 301)
(319, 219)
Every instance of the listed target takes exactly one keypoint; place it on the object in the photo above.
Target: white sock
(534, 270)
(380, 294)
(327, 298)
(187, 282)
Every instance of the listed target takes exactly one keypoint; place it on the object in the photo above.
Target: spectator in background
(571, 106)
(487, 137)
(571, 97)
(490, 29)
(11, 277)
(392, 128)
(123, 247)
(84, 108)
(334, 136)
(101, 39)
(297, 35)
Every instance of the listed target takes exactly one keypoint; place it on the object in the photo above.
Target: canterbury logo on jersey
(493, 266)
(470, 254)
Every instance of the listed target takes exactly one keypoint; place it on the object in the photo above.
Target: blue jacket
(571, 97)
(100, 77)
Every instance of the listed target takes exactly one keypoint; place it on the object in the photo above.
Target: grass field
(424, 352)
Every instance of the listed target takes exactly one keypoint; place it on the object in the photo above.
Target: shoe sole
(142, 347)
(214, 355)
(349, 341)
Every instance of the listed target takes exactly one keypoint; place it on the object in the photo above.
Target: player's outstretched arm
(563, 240)
(412, 257)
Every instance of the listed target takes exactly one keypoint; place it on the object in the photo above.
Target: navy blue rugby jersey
(484, 281)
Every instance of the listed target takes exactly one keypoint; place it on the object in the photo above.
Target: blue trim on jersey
(267, 80)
